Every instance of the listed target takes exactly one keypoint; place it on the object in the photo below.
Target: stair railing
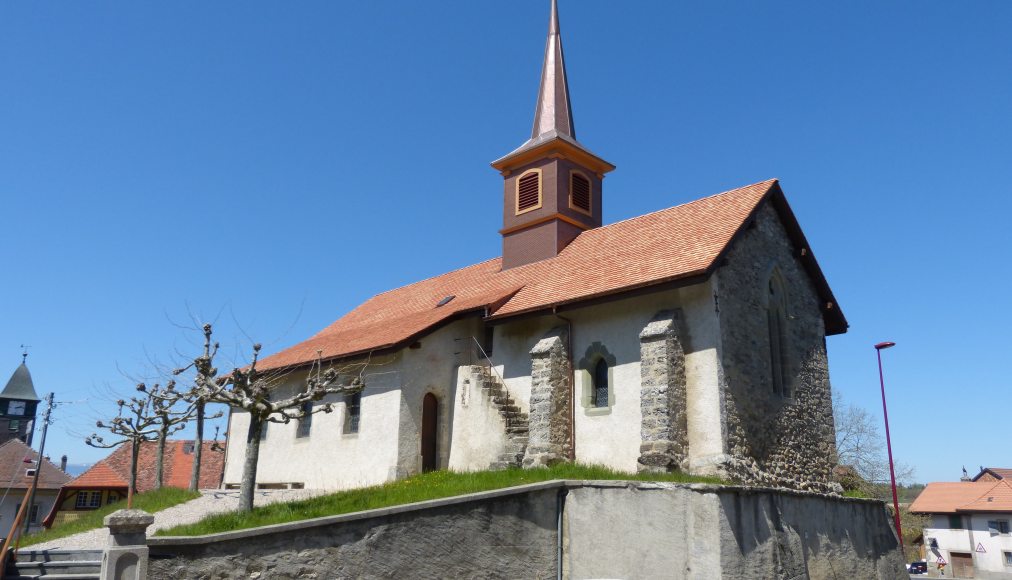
(491, 366)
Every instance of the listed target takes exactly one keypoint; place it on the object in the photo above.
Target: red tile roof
(14, 468)
(679, 243)
(997, 472)
(114, 470)
(964, 496)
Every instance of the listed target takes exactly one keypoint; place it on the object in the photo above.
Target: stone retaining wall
(611, 530)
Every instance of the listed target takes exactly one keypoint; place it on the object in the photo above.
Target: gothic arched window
(776, 320)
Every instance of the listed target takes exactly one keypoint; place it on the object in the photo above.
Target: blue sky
(270, 165)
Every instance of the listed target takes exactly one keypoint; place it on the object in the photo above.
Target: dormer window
(579, 192)
(529, 191)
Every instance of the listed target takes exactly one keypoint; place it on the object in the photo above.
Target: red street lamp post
(889, 446)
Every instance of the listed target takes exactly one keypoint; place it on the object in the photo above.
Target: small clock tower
(18, 404)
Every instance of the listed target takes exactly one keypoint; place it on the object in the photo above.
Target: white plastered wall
(328, 458)
(611, 436)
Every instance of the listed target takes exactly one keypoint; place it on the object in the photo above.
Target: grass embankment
(435, 485)
(151, 502)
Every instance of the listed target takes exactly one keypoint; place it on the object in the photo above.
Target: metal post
(889, 446)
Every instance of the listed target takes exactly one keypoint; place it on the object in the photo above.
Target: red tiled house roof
(113, 472)
(682, 244)
(14, 468)
(994, 472)
(964, 496)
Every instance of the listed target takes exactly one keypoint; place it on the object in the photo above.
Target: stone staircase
(55, 565)
(517, 426)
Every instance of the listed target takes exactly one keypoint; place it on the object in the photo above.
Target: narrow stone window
(776, 321)
(601, 384)
(529, 191)
(353, 409)
(306, 422)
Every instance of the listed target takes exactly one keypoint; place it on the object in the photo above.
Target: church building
(691, 338)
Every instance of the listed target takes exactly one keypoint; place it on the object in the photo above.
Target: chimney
(63, 464)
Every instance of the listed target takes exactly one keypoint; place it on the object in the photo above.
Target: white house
(969, 528)
(691, 338)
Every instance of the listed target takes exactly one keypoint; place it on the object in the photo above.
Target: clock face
(16, 408)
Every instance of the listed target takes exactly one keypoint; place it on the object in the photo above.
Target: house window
(353, 410)
(955, 522)
(998, 527)
(579, 192)
(113, 498)
(776, 321)
(88, 500)
(529, 191)
(1008, 558)
(306, 422)
(601, 383)
(14, 425)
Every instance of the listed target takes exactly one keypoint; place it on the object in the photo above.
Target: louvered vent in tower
(580, 192)
(529, 191)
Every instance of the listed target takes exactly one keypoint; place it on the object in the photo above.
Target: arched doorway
(430, 433)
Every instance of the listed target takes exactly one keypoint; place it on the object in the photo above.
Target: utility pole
(38, 464)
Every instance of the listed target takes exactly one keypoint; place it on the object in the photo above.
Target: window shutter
(529, 191)
(580, 190)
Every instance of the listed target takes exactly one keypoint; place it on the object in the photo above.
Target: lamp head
(883, 345)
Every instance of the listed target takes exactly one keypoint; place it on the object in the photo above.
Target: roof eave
(542, 147)
(835, 321)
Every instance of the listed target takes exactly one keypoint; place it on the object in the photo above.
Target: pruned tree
(173, 410)
(250, 390)
(205, 383)
(134, 423)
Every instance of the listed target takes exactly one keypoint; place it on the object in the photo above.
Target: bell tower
(552, 182)
(18, 404)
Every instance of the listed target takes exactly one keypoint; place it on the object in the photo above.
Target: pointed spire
(20, 386)
(554, 113)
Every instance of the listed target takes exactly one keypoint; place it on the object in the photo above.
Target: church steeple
(18, 402)
(554, 114)
(553, 183)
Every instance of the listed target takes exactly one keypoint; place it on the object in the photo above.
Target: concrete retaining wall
(611, 530)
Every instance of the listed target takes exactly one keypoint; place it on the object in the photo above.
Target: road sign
(980, 549)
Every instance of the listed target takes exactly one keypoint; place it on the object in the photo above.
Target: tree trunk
(198, 445)
(135, 446)
(249, 466)
(160, 458)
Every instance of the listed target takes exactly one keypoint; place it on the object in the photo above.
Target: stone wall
(489, 535)
(611, 529)
(549, 438)
(663, 428)
(774, 439)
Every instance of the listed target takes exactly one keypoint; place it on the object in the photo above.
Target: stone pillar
(126, 558)
(549, 437)
(664, 429)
